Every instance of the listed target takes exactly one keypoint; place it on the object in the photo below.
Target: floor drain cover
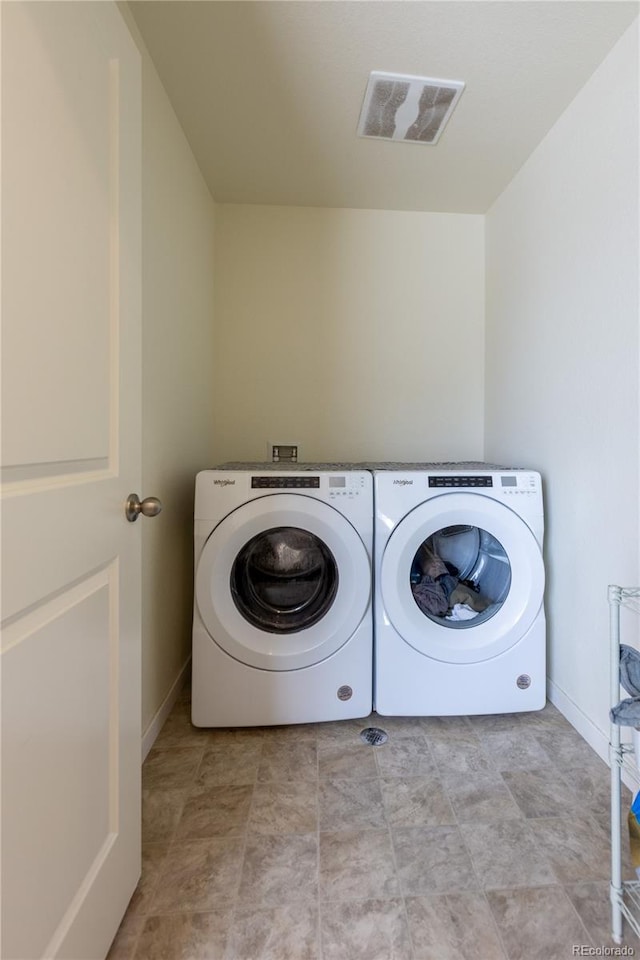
(374, 736)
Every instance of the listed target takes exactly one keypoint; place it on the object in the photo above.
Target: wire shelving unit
(624, 894)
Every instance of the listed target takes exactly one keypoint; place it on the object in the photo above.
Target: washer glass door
(283, 582)
(462, 578)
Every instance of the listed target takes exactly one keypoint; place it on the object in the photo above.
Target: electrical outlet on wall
(282, 452)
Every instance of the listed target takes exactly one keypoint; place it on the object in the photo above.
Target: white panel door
(70, 456)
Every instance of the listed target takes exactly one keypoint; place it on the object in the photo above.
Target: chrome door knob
(149, 507)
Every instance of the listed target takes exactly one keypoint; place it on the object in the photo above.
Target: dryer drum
(286, 595)
(284, 580)
(465, 578)
(282, 551)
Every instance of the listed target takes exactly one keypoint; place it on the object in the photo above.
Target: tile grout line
(169, 844)
(403, 898)
(480, 885)
(233, 913)
(136, 939)
(319, 938)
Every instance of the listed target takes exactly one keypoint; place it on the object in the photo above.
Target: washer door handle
(149, 507)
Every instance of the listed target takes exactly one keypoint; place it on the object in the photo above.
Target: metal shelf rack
(624, 894)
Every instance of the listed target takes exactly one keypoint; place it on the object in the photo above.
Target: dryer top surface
(447, 466)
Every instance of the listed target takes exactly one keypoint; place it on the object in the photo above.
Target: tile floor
(474, 838)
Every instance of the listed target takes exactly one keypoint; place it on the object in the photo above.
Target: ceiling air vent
(413, 109)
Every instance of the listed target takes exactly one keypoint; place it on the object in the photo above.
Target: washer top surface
(286, 466)
(382, 465)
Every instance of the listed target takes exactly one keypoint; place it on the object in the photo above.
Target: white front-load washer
(459, 582)
(282, 628)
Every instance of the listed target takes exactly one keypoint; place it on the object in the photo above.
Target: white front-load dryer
(282, 628)
(459, 583)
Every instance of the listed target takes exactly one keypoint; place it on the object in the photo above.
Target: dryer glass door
(462, 578)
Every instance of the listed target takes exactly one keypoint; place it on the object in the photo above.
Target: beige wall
(562, 365)
(177, 441)
(358, 334)
(361, 335)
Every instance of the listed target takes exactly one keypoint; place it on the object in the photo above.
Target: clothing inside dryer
(460, 576)
(284, 580)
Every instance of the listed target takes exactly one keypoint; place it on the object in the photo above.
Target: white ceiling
(269, 92)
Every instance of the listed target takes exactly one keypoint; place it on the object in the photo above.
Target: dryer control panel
(450, 480)
(508, 483)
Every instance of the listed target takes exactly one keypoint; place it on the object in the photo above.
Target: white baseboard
(154, 728)
(596, 739)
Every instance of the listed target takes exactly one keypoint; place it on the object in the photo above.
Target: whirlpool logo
(404, 483)
(224, 483)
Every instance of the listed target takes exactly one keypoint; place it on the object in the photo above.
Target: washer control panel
(338, 486)
(343, 485)
(274, 482)
(520, 484)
